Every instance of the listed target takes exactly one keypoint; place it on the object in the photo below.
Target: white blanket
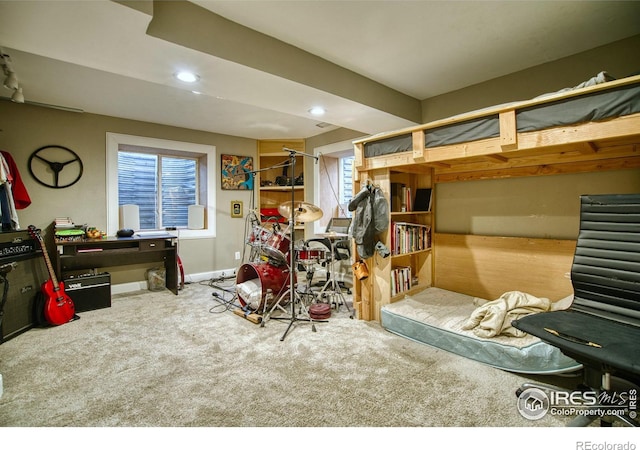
(494, 318)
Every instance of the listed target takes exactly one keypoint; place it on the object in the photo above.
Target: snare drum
(310, 254)
(277, 247)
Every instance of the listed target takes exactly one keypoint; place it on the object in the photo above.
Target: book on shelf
(409, 237)
(406, 199)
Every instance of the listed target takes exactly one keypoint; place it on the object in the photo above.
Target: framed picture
(237, 172)
(236, 208)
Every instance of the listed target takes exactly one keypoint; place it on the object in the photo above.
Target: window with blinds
(346, 178)
(163, 187)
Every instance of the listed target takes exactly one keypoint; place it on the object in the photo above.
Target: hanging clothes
(371, 216)
(10, 178)
(5, 209)
(21, 197)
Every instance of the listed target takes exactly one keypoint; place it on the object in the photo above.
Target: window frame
(206, 154)
(342, 176)
(335, 150)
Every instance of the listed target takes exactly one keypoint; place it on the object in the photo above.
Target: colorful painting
(237, 172)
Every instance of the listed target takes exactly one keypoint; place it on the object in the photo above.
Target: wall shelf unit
(275, 178)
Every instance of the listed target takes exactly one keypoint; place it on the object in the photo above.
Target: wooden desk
(114, 251)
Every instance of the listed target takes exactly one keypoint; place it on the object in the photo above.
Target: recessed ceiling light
(317, 111)
(187, 77)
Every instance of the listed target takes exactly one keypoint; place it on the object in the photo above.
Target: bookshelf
(408, 269)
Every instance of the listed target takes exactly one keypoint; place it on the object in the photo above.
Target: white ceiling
(96, 56)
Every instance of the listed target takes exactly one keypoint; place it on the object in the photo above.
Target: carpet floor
(154, 359)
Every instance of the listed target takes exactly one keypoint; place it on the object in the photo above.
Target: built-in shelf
(282, 188)
(271, 159)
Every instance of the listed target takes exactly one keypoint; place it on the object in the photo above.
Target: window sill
(182, 233)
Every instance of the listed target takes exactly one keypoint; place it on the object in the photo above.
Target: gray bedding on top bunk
(437, 317)
(596, 106)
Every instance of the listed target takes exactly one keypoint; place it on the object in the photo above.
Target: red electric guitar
(58, 306)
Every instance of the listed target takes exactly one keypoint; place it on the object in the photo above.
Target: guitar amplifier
(24, 281)
(89, 292)
(15, 244)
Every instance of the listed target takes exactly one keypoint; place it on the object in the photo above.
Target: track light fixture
(11, 79)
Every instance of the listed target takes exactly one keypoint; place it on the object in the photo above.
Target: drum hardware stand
(293, 294)
(281, 296)
(255, 251)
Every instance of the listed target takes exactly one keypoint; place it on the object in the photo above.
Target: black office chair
(601, 328)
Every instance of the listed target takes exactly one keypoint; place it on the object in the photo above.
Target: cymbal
(303, 212)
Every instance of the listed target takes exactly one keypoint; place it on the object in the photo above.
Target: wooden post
(508, 131)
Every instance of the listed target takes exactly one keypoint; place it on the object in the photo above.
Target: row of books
(400, 280)
(409, 237)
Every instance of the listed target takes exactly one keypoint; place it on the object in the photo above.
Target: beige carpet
(158, 360)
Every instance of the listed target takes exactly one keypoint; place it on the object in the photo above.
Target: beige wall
(25, 128)
(540, 207)
(620, 59)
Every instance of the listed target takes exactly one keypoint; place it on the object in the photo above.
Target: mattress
(435, 317)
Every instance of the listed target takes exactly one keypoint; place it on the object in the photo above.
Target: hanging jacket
(371, 216)
(19, 192)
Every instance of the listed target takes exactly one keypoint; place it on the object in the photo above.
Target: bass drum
(255, 279)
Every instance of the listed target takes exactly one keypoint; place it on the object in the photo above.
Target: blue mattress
(435, 317)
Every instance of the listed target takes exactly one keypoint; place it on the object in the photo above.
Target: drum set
(264, 283)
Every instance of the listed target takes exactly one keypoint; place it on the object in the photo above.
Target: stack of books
(63, 223)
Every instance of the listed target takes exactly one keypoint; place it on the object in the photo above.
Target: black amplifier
(88, 292)
(16, 243)
(24, 281)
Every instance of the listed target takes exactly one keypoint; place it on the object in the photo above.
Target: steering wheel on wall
(42, 167)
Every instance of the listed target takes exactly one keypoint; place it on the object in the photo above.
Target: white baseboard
(124, 288)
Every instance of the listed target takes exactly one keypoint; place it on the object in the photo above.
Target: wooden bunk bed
(585, 129)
